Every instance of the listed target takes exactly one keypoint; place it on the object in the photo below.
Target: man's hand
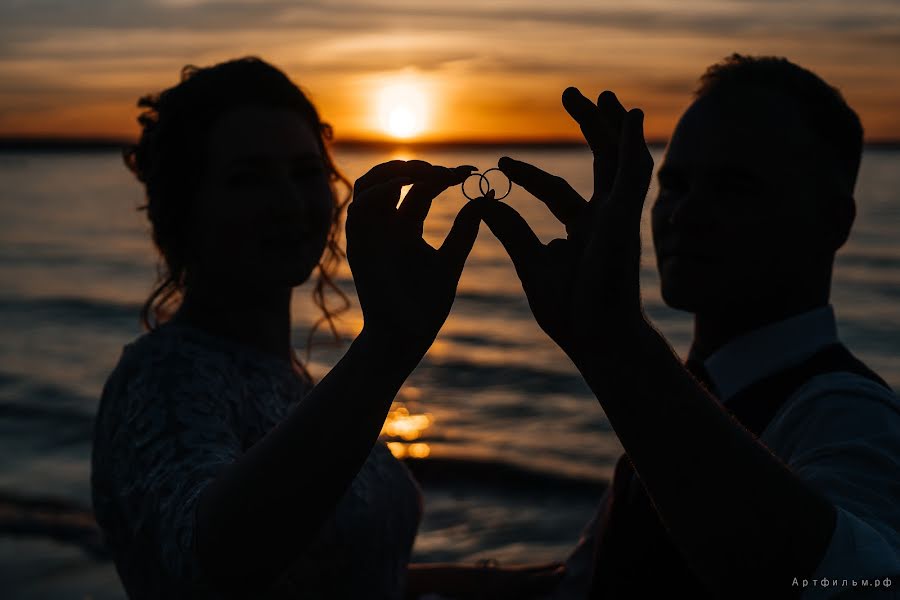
(405, 286)
(587, 285)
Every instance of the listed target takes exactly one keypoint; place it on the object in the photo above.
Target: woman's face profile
(264, 206)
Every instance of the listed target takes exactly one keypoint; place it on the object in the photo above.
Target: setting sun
(402, 107)
(403, 122)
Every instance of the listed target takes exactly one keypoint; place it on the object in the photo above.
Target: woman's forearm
(259, 513)
(736, 512)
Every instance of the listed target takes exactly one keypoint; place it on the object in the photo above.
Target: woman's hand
(405, 286)
(586, 286)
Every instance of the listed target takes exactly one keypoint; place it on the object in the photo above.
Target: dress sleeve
(842, 436)
(177, 434)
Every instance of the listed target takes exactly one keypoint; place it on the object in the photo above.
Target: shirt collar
(769, 349)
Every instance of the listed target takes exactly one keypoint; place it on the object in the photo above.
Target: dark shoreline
(36, 144)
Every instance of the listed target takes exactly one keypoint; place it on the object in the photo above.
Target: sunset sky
(432, 70)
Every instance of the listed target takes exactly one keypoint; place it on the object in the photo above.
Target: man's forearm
(739, 516)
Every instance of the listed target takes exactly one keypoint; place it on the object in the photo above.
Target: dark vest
(634, 557)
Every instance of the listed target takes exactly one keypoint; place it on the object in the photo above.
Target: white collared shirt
(840, 432)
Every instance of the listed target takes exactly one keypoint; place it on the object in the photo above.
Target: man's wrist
(615, 343)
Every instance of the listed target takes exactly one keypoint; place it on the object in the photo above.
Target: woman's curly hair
(169, 159)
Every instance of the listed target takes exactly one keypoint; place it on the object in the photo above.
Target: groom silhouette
(774, 463)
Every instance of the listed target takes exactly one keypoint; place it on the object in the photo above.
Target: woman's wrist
(398, 345)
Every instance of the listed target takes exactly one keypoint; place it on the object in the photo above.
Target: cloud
(688, 17)
(654, 49)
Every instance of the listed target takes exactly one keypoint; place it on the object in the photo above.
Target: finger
(414, 169)
(635, 168)
(617, 218)
(380, 198)
(522, 245)
(615, 247)
(461, 237)
(417, 203)
(612, 114)
(562, 200)
(588, 117)
(600, 124)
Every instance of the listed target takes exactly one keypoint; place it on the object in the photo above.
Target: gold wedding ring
(484, 181)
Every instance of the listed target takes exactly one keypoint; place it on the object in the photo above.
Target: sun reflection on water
(401, 450)
(401, 424)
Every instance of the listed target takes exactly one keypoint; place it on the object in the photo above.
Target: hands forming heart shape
(579, 288)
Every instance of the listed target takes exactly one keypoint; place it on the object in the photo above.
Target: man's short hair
(829, 115)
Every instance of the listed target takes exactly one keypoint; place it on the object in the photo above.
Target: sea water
(521, 446)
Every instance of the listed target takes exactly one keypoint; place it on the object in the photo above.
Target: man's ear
(842, 215)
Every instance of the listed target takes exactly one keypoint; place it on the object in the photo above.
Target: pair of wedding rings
(484, 182)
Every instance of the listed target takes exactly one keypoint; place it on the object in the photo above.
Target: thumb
(520, 242)
(460, 239)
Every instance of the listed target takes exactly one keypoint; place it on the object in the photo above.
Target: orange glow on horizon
(454, 72)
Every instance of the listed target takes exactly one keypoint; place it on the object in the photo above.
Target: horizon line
(60, 142)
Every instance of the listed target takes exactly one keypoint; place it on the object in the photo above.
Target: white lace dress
(181, 405)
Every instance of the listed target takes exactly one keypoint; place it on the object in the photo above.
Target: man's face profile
(737, 202)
